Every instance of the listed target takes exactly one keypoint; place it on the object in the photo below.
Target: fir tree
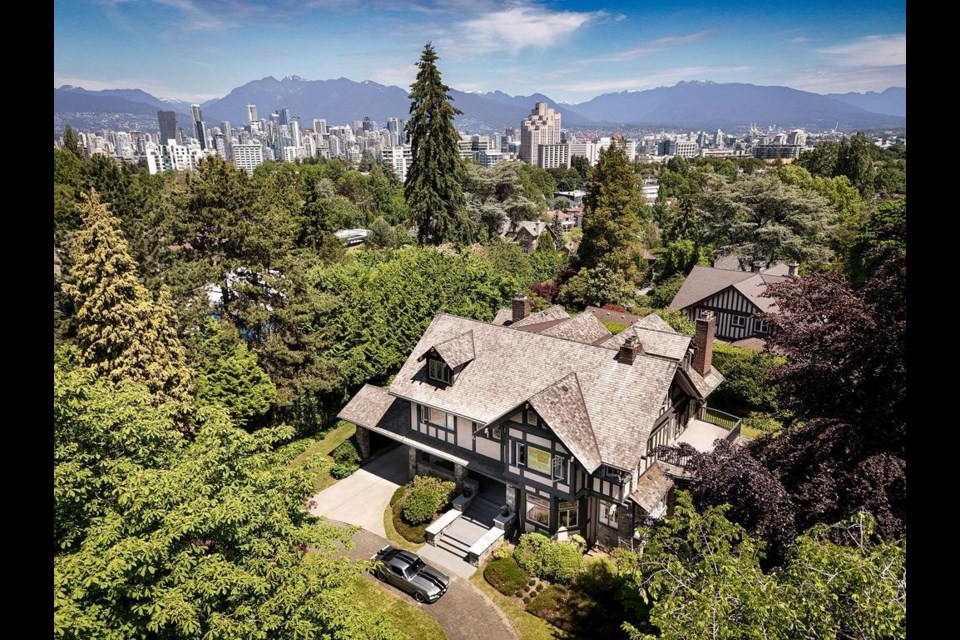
(123, 333)
(434, 186)
(613, 212)
(71, 142)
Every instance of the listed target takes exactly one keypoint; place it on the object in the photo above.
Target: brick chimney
(629, 350)
(757, 265)
(792, 269)
(703, 342)
(521, 307)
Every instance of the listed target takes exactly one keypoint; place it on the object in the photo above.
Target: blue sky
(570, 50)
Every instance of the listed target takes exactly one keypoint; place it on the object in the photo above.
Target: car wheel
(381, 576)
(419, 597)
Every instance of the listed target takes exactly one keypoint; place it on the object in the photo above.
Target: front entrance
(491, 490)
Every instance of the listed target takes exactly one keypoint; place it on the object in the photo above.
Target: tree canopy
(434, 186)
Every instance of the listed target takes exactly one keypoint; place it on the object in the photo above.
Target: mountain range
(706, 105)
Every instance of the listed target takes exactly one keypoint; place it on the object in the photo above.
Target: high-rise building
(247, 156)
(552, 156)
(320, 126)
(542, 126)
(395, 126)
(168, 125)
(797, 137)
(252, 114)
(399, 158)
(284, 114)
(201, 129)
(295, 132)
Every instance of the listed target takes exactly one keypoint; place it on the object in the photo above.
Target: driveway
(362, 497)
(464, 612)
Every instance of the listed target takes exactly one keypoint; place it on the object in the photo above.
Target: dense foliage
(549, 559)
(506, 576)
(434, 186)
(427, 496)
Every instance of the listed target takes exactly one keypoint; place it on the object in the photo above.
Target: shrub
(527, 599)
(427, 496)
(746, 384)
(665, 291)
(599, 579)
(412, 533)
(539, 587)
(505, 576)
(559, 561)
(343, 469)
(346, 452)
(531, 582)
(547, 600)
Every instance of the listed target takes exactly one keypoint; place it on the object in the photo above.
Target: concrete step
(453, 546)
(483, 507)
(465, 530)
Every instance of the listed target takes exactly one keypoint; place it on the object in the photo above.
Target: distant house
(351, 237)
(735, 296)
(527, 233)
(550, 417)
(568, 219)
(573, 198)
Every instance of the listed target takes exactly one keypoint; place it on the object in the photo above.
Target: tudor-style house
(550, 415)
(735, 297)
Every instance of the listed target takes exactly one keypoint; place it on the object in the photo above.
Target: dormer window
(438, 371)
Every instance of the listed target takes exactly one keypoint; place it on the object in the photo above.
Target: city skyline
(570, 50)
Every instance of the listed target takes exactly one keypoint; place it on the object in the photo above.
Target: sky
(573, 50)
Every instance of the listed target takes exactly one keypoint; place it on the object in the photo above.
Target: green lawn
(410, 621)
(322, 445)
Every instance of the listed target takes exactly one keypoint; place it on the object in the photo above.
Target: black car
(408, 572)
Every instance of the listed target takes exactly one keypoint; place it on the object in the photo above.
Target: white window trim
(604, 517)
(738, 322)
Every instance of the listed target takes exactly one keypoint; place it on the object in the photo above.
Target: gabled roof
(503, 316)
(622, 402)
(563, 408)
(652, 487)
(609, 315)
(456, 351)
(584, 328)
(556, 312)
(657, 337)
(704, 282)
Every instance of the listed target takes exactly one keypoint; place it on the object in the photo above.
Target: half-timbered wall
(731, 308)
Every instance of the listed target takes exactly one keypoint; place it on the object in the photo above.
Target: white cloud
(402, 76)
(870, 51)
(841, 81)
(798, 40)
(650, 47)
(518, 27)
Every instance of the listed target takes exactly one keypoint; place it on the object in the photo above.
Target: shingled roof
(562, 406)
(621, 401)
(704, 282)
(584, 328)
(657, 337)
(456, 351)
(556, 312)
(652, 487)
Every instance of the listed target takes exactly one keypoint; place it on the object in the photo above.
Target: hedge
(506, 576)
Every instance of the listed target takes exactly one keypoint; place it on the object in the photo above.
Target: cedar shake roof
(456, 351)
(622, 402)
(652, 487)
(608, 315)
(655, 322)
(556, 312)
(374, 407)
(561, 405)
(704, 384)
(664, 342)
(704, 282)
(584, 328)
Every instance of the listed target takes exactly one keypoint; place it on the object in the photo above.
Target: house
(574, 198)
(551, 416)
(568, 219)
(735, 296)
(527, 233)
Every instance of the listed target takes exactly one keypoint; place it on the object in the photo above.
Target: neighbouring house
(527, 233)
(574, 198)
(568, 219)
(735, 296)
(550, 416)
(351, 237)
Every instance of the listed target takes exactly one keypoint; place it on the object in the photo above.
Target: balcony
(701, 433)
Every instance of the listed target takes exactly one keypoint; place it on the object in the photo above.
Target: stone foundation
(363, 443)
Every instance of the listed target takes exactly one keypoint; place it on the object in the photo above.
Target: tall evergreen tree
(434, 186)
(613, 214)
(71, 141)
(123, 333)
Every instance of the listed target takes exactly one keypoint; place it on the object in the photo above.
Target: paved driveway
(464, 612)
(362, 497)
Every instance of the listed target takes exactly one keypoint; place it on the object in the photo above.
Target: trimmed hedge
(412, 533)
(506, 576)
(544, 558)
(427, 496)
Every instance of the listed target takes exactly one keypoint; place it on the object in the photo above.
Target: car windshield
(414, 568)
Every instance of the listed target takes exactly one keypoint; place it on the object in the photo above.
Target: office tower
(368, 124)
(797, 137)
(252, 114)
(248, 156)
(284, 116)
(168, 126)
(201, 130)
(226, 130)
(295, 132)
(542, 126)
(320, 126)
(395, 126)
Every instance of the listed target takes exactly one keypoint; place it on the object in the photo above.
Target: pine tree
(123, 333)
(434, 186)
(613, 213)
(71, 142)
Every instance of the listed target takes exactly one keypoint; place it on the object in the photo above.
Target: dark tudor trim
(726, 305)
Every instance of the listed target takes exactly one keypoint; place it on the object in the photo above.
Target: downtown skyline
(572, 51)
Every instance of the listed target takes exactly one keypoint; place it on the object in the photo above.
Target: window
(438, 370)
(436, 416)
(538, 509)
(759, 326)
(495, 433)
(519, 454)
(738, 322)
(612, 474)
(539, 460)
(560, 466)
(568, 514)
(608, 513)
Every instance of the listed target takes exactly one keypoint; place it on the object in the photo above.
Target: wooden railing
(724, 420)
